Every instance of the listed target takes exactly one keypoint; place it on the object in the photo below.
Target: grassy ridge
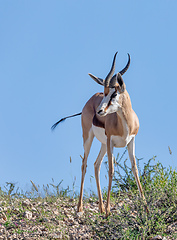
(53, 215)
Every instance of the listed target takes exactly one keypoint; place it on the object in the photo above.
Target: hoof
(79, 209)
(107, 214)
(102, 209)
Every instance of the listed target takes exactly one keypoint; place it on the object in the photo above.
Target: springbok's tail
(62, 119)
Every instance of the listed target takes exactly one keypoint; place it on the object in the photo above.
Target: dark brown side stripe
(97, 122)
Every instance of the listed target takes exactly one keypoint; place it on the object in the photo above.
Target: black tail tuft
(62, 119)
(55, 124)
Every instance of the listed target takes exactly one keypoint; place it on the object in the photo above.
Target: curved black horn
(113, 81)
(110, 74)
(126, 67)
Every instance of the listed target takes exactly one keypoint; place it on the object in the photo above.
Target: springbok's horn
(110, 74)
(126, 67)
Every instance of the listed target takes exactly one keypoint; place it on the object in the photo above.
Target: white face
(110, 103)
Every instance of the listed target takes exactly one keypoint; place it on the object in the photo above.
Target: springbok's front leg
(97, 165)
(87, 145)
(110, 172)
(131, 151)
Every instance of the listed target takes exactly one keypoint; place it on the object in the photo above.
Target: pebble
(66, 222)
(28, 215)
(158, 237)
(26, 203)
(3, 216)
(79, 214)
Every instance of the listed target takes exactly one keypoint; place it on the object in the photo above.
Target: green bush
(131, 221)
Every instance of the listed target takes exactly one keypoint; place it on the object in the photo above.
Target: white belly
(117, 141)
(99, 134)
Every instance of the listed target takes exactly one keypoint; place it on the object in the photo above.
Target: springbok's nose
(100, 111)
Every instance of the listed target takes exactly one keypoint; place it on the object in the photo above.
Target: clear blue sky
(47, 49)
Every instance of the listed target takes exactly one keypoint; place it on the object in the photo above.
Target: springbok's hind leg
(97, 165)
(87, 145)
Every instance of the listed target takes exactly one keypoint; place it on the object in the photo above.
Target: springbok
(110, 118)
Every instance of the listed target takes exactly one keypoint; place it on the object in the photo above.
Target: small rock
(34, 209)
(28, 215)
(5, 209)
(44, 204)
(158, 237)
(79, 214)
(56, 235)
(3, 216)
(16, 210)
(2, 229)
(93, 210)
(120, 204)
(44, 220)
(27, 203)
(56, 221)
(65, 212)
(55, 211)
(65, 219)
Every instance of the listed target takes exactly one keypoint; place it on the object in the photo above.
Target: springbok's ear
(120, 82)
(96, 79)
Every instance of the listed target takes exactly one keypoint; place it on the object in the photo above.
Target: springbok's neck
(126, 109)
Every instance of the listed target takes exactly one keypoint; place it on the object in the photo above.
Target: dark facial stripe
(112, 96)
